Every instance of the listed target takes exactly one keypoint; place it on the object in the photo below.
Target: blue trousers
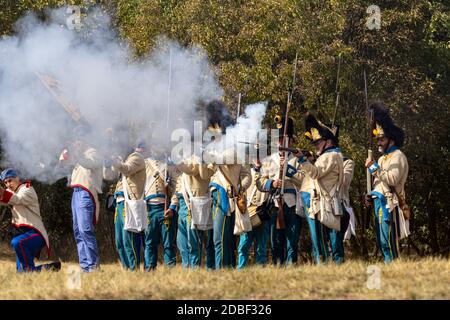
(189, 241)
(83, 229)
(259, 236)
(385, 234)
(336, 241)
(319, 247)
(224, 241)
(128, 244)
(27, 246)
(284, 242)
(159, 230)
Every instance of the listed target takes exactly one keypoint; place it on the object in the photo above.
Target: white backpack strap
(337, 186)
(149, 183)
(223, 179)
(312, 186)
(334, 190)
(252, 194)
(341, 174)
(187, 193)
(125, 187)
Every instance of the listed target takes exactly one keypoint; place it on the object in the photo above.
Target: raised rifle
(336, 104)
(306, 153)
(239, 106)
(280, 223)
(166, 173)
(369, 150)
(52, 85)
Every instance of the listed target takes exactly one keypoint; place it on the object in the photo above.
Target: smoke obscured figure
(86, 182)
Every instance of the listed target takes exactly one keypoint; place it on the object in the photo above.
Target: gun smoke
(122, 101)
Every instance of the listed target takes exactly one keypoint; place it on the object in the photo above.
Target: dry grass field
(405, 279)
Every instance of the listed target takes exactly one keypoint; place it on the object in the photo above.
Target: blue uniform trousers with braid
(27, 246)
(224, 241)
(284, 242)
(187, 252)
(319, 247)
(158, 230)
(385, 234)
(128, 244)
(259, 236)
(189, 241)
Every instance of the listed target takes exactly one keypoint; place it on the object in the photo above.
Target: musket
(257, 145)
(166, 173)
(52, 85)
(369, 150)
(280, 223)
(239, 105)
(296, 150)
(336, 104)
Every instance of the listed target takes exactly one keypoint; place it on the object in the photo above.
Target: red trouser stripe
(21, 248)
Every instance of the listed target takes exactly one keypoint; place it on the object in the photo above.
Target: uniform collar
(19, 186)
(391, 149)
(331, 149)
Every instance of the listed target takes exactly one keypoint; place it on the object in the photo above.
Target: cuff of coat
(291, 171)
(374, 167)
(268, 185)
(7, 195)
(301, 160)
(173, 207)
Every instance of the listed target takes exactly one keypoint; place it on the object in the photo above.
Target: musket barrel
(368, 175)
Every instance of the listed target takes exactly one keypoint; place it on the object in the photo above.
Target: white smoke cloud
(237, 145)
(96, 73)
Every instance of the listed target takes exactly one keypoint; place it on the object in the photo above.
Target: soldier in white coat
(390, 173)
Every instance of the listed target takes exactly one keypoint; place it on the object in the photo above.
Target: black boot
(54, 266)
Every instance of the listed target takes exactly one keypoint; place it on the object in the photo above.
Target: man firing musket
(279, 175)
(260, 217)
(86, 178)
(30, 235)
(161, 216)
(86, 182)
(130, 187)
(193, 201)
(228, 186)
(327, 175)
